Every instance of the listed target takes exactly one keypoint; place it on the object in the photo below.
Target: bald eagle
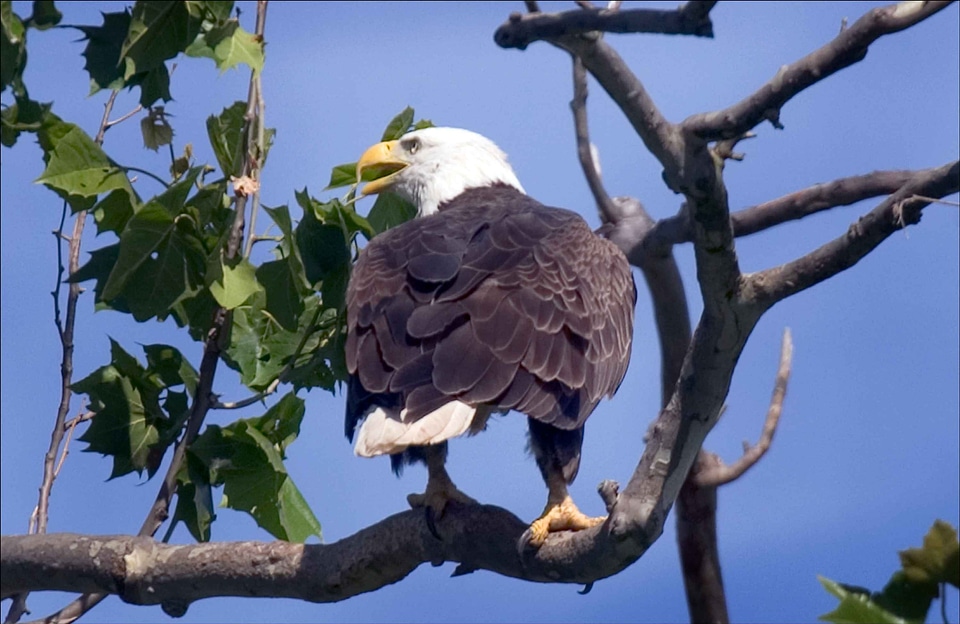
(488, 302)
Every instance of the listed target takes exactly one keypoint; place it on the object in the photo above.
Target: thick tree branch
(716, 473)
(848, 47)
(896, 212)
(523, 29)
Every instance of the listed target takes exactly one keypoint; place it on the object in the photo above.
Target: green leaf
(855, 607)
(342, 175)
(172, 368)
(226, 138)
(283, 289)
(195, 499)
(159, 30)
(937, 561)
(156, 130)
(390, 210)
(281, 423)
(905, 598)
(399, 125)
(102, 52)
(24, 115)
(76, 166)
(98, 268)
(235, 284)
(128, 418)
(217, 10)
(228, 45)
(114, 211)
(161, 257)
(13, 49)
(144, 234)
(250, 467)
(45, 15)
(423, 123)
(323, 248)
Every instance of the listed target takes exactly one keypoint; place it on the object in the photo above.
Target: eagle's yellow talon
(562, 516)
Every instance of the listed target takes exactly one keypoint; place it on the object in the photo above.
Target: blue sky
(866, 455)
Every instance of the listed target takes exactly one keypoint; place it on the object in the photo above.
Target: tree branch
(848, 47)
(717, 473)
(896, 212)
(521, 30)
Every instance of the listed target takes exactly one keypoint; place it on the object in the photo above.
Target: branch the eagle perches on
(695, 378)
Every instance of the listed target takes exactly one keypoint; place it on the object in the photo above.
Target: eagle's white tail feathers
(383, 431)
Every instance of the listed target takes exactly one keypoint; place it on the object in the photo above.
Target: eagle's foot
(439, 493)
(556, 517)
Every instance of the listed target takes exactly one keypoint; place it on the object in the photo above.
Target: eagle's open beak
(380, 165)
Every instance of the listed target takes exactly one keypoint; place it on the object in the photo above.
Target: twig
(123, 118)
(521, 30)
(591, 169)
(82, 418)
(848, 47)
(126, 168)
(721, 474)
(896, 212)
(256, 398)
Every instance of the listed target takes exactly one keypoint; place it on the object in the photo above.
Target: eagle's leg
(440, 488)
(558, 457)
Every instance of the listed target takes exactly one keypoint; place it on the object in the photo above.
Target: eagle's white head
(431, 166)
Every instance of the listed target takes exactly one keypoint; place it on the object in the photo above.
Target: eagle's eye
(411, 145)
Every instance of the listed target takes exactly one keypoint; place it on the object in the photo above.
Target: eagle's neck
(451, 178)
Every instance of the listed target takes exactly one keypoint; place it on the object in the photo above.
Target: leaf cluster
(924, 573)
(166, 256)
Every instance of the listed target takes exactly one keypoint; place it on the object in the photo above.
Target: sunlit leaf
(226, 137)
(235, 284)
(228, 45)
(399, 125)
(855, 607)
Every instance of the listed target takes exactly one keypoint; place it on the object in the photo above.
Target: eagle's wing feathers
(498, 301)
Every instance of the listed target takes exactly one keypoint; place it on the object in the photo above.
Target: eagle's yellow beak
(379, 165)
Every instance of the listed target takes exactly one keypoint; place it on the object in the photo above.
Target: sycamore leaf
(76, 166)
(855, 607)
(228, 45)
(159, 30)
(128, 418)
(281, 423)
(235, 284)
(24, 115)
(114, 211)
(226, 138)
(102, 52)
(13, 49)
(342, 175)
(283, 290)
(399, 125)
(250, 467)
(156, 130)
(195, 499)
(172, 368)
(390, 210)
(45, 15)
(937, 561)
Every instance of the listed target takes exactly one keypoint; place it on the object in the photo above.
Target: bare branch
(523, 29)
(82, 418)
(256, 398)
(591, 168)
(848, 47)
(721, 474)
(896, 212)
